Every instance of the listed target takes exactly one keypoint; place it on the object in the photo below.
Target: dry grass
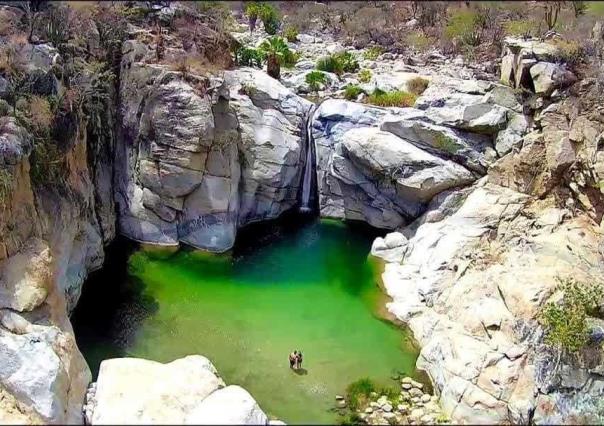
(40, 113)
(417, 85)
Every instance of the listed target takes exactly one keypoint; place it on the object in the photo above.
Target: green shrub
(396, 98)
(521, 28)
(350, 419)
(445, 143)
(270, 18)
(291, 33)
(419, 41)
(348, 60)
(365, 76)
(566, 322)
(315, 79)
(358, 392)
(390, 392)
(417, 85)
(338, 63)
(466, 27)
(47, 164)
(249, 57)
(372, 53)
(329, 64)
(252, 11)
(352, 92)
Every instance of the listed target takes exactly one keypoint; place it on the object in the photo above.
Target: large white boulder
(232, 405)
(368, 174)
(138, 391)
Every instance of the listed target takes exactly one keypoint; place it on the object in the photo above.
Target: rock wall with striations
(202, 157)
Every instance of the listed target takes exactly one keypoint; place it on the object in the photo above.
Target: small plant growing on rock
(315, 79)
(291, 33)
(396, 98)
(372, 53)
(40, 114)
(417, 85)
(445, 143)
(365, 76)
(565, 321)
(352, 92)
(248, 89)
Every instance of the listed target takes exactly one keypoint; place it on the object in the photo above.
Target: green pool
(287, 285)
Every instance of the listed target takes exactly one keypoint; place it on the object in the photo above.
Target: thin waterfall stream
(309, 166)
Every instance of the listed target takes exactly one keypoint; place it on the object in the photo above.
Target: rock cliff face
(201, 158)
(471, 274)
(384, 165)
(51, 238)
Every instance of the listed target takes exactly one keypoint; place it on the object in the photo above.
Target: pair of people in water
(295, 360)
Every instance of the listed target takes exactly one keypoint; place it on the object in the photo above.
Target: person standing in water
(299, 359)
(293, 359)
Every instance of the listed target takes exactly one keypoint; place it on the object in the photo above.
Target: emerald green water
(289, 286)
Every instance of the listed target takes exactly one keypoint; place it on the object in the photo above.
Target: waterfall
(307, 180)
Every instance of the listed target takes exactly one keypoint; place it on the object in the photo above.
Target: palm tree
(277, 53)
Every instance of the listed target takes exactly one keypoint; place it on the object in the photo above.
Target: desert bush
(315, 79)
(569, 51)
(419, 41)
(270, 18)
(40, 114)
(396, 98)
(252, 11)
(565, 322)
(521, 27)
(338, 63)
(352, 92)
(372, 53)
(290, 33)
(56, 26)
(329, 64)
(249, 57)
(417, 85)
(551, 11)
(465, 26)
(579, 7)
(365, 76)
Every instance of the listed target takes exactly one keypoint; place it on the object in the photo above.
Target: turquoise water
(304, 286)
